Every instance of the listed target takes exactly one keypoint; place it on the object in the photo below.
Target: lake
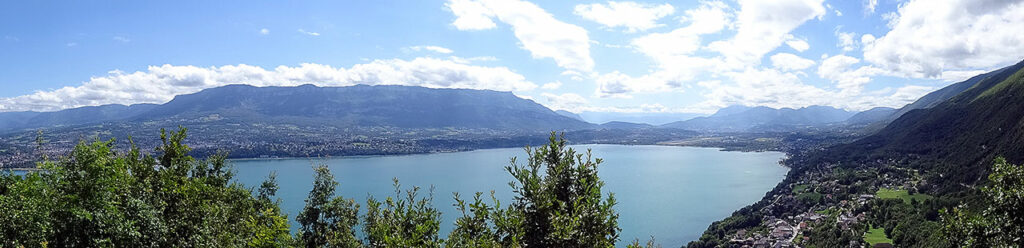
(672, 193)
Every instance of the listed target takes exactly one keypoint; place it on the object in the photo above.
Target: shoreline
(785, 154)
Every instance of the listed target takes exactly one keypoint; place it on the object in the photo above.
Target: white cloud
(771, 88)
(845, 40)
(673, 53)
(710, 17)
(642, 108)
(763, 25)
(838, 13)
(578, 104)
(929, 37)
(264, 31)
(71, 44)
(569, 102)
(959, 76)
(619, 85)
(470, 15)
(159, 84)
(869, 6)
(537, 30)
(552, 85)
(303, 31)
(890, 19)
(122, 39)
(867, 39)
(470, 60)
(630, 15)
(435, 49)
(838, 69)
(777, 89)
(797, 44)
(790, 62)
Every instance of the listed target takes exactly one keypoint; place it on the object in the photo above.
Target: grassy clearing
(875, 236)
(800, 188)
(901, 194)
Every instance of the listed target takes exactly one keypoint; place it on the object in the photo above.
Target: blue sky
(593, 56)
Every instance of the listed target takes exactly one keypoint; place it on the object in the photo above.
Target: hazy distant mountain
(741, 118)
(648, 118)
(361, 105)
(75, 116)
(569, 114)
(871, 116)
(624, 125)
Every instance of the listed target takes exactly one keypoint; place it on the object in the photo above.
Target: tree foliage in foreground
(96, 197)
(1001, 222)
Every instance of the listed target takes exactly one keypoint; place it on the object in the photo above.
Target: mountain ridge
(359, 105)
(747, 119)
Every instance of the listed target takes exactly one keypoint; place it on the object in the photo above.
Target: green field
(800, 187)
(875, 236)
(884, 193)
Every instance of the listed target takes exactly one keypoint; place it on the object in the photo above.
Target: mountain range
(418, 107)
(743, 118)
(360, 105)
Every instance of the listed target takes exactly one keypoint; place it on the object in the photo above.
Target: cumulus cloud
(552, 85)
(158, 84)
(537, 30)
(867, 39)
(930, 37)
(630, 15)
(763, 25)
(838, 69)
(470, 15)
(790, 62)
(569, 102)
(797, 44)
(845, 40)
(672, 52)
(778, 89)
(435, 49)
(710, 17)
(619, 85)
(264, 31)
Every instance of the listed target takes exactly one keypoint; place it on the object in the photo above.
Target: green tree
(96, 197)
(403, 221)
(327, 220)
(559, 203)
(564, 206)
(473, 228)
(1001, 222)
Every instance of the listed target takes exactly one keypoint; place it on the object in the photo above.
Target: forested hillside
(898, 185)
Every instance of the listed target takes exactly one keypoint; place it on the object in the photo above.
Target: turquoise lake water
(672, 193)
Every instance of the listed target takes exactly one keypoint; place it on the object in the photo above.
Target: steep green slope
(939, 96)
(944, 152)
(957, 137)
